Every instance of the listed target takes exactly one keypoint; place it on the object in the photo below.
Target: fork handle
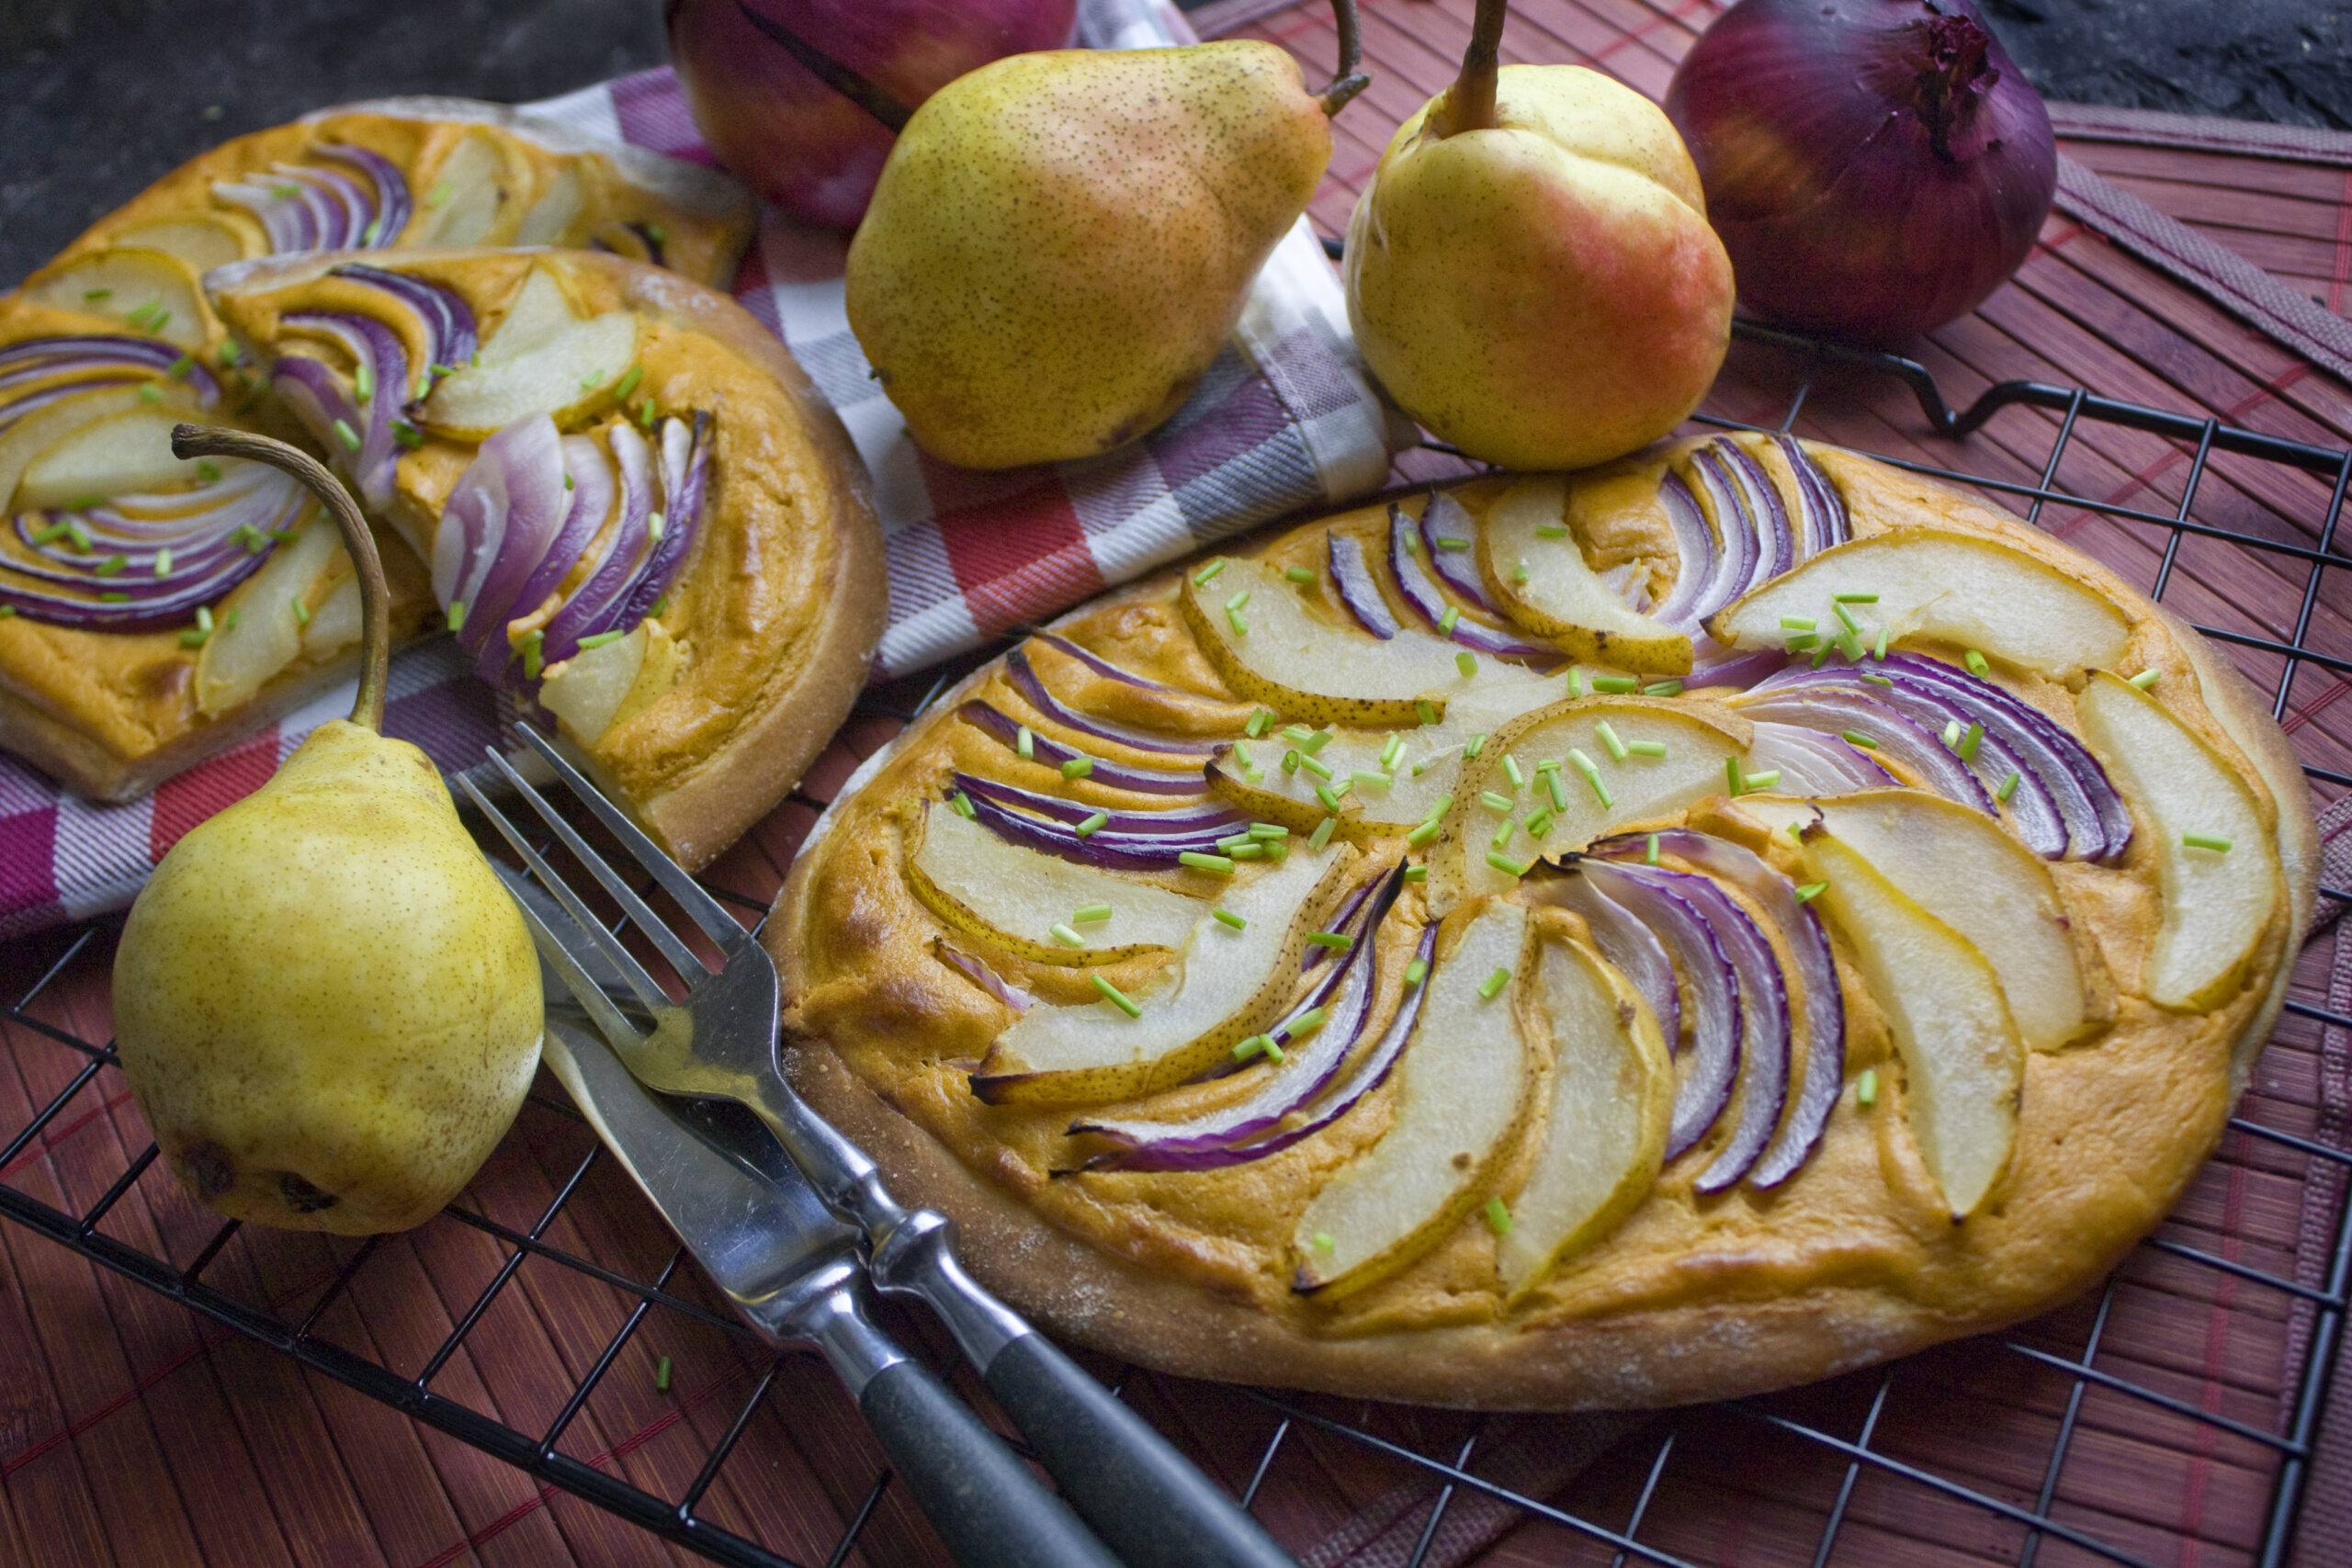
(1123, 1478)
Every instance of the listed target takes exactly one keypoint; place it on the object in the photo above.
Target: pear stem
(1469, 104)
(375, 595)
(1349, 81)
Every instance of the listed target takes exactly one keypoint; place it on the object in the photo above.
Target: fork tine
(657, 931)
(648, 990)
(705, 911)
(568, 967)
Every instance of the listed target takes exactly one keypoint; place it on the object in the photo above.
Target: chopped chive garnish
(1502, 834)
(55, 531)
(374, 231)
(2147, 678)
(655, 232)
(228, 354)
(1225, 846)
(79, 535)
(1847, 618)
(179, 368)
(662, 1374)
(1077, 767)
(95, 295)
(1850, 644)
(1233, 618)
(1220, 864)
(1491, 987)
(1550, 531)
(1866, 1087)
(1878, 650)
(1249, 849)
(1609, 737)
(653, 527)
(533, 656)
(1323, 1242)
(1093, 824)
(1249, 1047)
(1291, 760)
(1856, 738)
(1731, 780)
(1339, 940)
(1369, 778)
(125, 598)
(1510, 771)
(1764, 780)
(1810, 891)
(1299, 735)
(1446, 542)
(1241, 751)
(1854, 598)
(302, 611)
(628, 383)
(1646, 748)
(1557, 790)
(1498, 1217)
(659, 605)
(1880, 680)
(1319, 769)
(644, 413)
(1663, 689)
(1952, 732)
(438, 194)
(1027, 744)
(1068, 937)
(1539, 824)
(1796, 832)
(148, 316)
(349, 436)
(363, 379)
(1519, 573)
(1424, 834)
(207, 470)
(1797, 623)
(1412, 544)
(1507, 865)
(113, 565)
(406, 433)
(1466, 662)
(1443, 803)
(1298, 574)
(1268, 831)
(1227, 918)
(2212, 841)
(204, 618)
(1424, 710)
(1322, 834)
(456, 617)
(191, 637)
(1649, 850)
(1970, 742)
(1328, 797)
(1391, 751)
(1802, 642)
(963, 804)
(1418, 970)
(1575, 682)
(601, 639)
(1115, 997)
(588, 382)
(151, 393)
(1975, 662)
(1315, 742)
(1446, 622)
(1239, 601)
(1472, 747)
(1256, 728)
(1494, 802)
(2009, 787)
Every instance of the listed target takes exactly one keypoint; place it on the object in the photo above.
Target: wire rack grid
(1848, 1471)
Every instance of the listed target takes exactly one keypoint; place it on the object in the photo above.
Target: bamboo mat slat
(133, 1432)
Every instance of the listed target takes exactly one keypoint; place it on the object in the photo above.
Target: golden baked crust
(768, 629)
(1852, 1260)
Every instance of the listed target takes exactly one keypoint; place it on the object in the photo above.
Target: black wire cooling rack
(1825, 1472)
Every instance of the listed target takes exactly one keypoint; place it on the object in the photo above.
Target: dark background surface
(97, 98)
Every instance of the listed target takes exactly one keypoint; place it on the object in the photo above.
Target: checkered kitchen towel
(1284, 419)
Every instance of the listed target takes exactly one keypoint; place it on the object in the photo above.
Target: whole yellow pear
(1061, 242)
(1538, 287)
(327, 1006)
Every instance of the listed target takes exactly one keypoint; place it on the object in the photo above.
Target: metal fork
(1144, 1499)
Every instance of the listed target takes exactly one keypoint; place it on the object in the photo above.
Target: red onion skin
(795, 141)
(1872, 173)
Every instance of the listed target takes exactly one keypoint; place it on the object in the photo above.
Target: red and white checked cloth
(1284, 419)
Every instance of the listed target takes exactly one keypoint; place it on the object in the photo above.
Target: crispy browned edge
(1678, 1356)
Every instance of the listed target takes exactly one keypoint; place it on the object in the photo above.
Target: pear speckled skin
(1545, 294)
(1061, 243)
(327, 1006)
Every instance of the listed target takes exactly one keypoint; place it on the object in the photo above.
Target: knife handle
(1125, 1479)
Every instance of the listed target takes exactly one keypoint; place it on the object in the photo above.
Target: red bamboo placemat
(134, 1431)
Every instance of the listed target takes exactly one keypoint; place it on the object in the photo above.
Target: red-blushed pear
(1530, 272)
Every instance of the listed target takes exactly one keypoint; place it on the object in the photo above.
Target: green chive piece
(1443, 803)
(457, 615)
(1797, 623)
(1321, 770)
(79, 535)
(662, 1374)
(191, 637)
(125, 598)
(1446, 542)
(1731, 780)
(1220, 864)
(1810, 891)
(207, 470)
(1494, 802)
(302, 611)
(1796, 832)
(1273, 1051)
(1268, 831)
(1249, 850)
(1225, 846)
(1233, 618)
(1298, 734)
(568, 484)
(644, 413)
(1446, 622)
(1498, 1217)
(659, 605)
(1879, 650)
(1856, 738)
(1510, 771)
(1847, 618)
(1557, 790)
(1575, 682)
(1799, 643)
(1616, 685)
(1027, 744)
(2147, 678)
(1068, 937)
(1291, 760)
(655, 232)
(1322, 834)
(1412, 543)
(1298, 574)
(1609, 737)
(1249, 1047)
(1866, 1087)
(1241, 751)
(407, 435)
(1646, 748)
(1323, 1242)
(1256, 728)
(113, 565)
(1975, 662)
(1369, 778)
(1880, 680)
(1519, 573)
(588, 382)
(1424, 710)
(1507, 865)
(1077, 767)
(1391, 751)
(1850, 646)
(186, 362)
(1539, 824)
(1328, 797)
(1649, 851)
(1315, 742)
(1969, 742)
(601, 639)
(1227, 918)
(1093, 824)
(1338, 941)
(1472, 747)
(627, 384)
(1418, 970)
(1854, 598)
(1550, 531)
(1663, 689)
(53, 532)
(373, 232)
(349, 436)
(363, 380)
(2212, 841)
(1764, 780)
(963, 805)
(1239, 601)
(228, 354)
(1421, 835)
(532, 656)
(151, 393)
(2009, 787)
(1115, 997)
(653, 527)
(204, 619)
(1465, 661)
(1491, 987)
(1502, 834)
(438, 194)
(95, 295)
(1952, 732)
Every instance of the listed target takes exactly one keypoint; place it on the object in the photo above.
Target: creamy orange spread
(2112, 1127)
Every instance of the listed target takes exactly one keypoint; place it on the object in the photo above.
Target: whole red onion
(1874, 167)
(797, 140)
